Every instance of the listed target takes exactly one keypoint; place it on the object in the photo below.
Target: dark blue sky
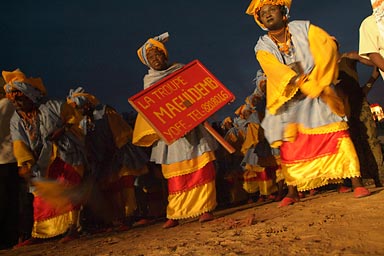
(93, 43)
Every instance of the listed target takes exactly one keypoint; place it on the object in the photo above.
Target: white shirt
(370, 40)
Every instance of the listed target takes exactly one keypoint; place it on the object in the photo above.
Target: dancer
(304, 116)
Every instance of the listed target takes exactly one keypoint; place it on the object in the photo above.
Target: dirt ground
(328, 223)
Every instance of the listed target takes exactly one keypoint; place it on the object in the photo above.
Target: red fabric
(269, 173)
(64, 173)
(192, 180)
(308, 147)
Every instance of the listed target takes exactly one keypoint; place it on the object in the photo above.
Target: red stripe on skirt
(311, 146)
(63, 173)
(192, 180)
(269, 173)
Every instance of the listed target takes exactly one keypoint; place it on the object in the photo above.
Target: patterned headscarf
(226, 121)
(157, 41)
(78, 98)
(17, 83)
(255, 6)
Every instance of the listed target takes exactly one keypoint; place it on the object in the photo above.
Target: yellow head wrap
(79, 97)
(226, 121)
(17, 83)
(255, 6)
(157, 41)
(11, 77)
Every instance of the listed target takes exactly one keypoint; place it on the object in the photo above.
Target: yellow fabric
(121, 130)
(187, 166)
(278, 75)
(22, 153)
(72, 117)
(18, 76)
(316, 83)
(55, 226)
(266, 187)
(252, 137)
(143, 133)
(192, 203)
(255, 6)
(316, 173)
(149, 44)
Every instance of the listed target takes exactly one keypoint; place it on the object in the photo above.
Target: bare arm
(372, 79)
(355, 56)
(377, 59)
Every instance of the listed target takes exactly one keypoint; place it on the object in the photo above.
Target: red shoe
(144, 222)
(122, 228)
(260, 200)
(344, 189)
(360, 192)
(313, 192)
(69, 237)
(171, 223)
(206, 217)
(30, 241)
(287, 201)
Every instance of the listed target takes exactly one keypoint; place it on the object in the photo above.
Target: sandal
(29, 242)
(170, 223)
(361, 192)
(206, 217)
(287, 201)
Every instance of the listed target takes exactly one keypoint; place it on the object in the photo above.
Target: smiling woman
(300, 61)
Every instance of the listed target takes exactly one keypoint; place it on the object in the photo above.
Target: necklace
(284, 46)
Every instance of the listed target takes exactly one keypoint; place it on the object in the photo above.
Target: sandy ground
(328, 223)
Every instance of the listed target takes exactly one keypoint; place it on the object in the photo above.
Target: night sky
(93, 43)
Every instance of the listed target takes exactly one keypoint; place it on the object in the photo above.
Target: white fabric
(370, 40)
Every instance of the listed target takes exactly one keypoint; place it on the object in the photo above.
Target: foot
(361, 192)
(170, 223)
(29, 241)
(301, 194)
(206, 217)
(344, 189)
(287, 201)
(261, 200)
(313, 192)
(278, 198)
(144, 222)
(70, 237)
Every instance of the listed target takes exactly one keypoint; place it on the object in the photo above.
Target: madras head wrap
(227, 120)
(17, 82)
(78, 97)
(157, 41)
(255, 6)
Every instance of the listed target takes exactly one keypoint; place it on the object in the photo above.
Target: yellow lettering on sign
(147, 102)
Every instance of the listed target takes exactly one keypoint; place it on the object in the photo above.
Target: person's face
(272, 17)
(85, 110)
(23, 103)
(157, 59)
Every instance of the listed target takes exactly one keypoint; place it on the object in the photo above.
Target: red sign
(181, 101)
